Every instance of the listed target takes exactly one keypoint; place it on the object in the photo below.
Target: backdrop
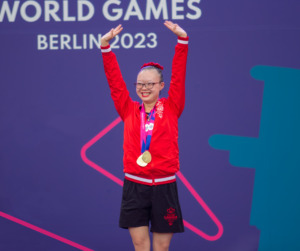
(61, 138)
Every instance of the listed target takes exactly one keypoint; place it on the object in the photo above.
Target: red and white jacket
(164, 141)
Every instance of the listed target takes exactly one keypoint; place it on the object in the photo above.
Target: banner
(61, 169)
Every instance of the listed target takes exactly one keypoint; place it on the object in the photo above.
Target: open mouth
(145, 94)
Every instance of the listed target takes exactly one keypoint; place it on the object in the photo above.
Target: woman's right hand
(110, 35)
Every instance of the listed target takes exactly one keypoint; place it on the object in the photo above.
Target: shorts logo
(170, 216)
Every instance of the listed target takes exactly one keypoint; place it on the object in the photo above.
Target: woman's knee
(140, 238)
(161, 246)
(161, 242)
(141, 243)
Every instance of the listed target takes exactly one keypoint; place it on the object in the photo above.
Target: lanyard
(146, 128)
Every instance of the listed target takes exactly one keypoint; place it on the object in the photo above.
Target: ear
(162, 85)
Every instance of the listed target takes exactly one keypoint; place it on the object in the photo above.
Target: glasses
(147, 85)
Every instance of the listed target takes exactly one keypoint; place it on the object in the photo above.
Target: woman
(151, 155)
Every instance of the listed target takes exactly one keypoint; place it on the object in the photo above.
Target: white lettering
(118, 11)
(84, 41)
(156, 12)
(94, 41)
(75, 45)
(130, 40)
(51, 11)
(114, 44)
(91, 10)
(66, 16)
(176, 8)
(53, 42)
(112, 10)
(140, 44)
(198, 11)
(153, 39)
(11, 15)
(133, 10)
(42, 42)
(38, 11)
(65, 42)
(70, 42)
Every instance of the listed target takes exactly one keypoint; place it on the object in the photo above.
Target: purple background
(53, 102)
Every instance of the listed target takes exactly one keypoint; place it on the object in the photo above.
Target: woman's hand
(176, 29)
(110, 35)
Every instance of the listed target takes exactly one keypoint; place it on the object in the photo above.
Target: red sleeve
(118, 89)
(177, 85)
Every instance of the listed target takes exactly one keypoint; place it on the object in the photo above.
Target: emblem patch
(159, 108)
(171, 216)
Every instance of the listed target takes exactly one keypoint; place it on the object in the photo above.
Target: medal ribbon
(146, 128)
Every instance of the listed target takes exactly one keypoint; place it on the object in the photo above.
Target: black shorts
(158, 205)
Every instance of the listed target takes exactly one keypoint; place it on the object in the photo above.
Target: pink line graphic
(92, 142)
(206, 209)
(45, 232)
(179, 174)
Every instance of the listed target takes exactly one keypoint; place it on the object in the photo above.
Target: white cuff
(182, 41)
(106, 50)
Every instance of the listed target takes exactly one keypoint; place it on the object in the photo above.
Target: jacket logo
(159, 108)
(171, 216)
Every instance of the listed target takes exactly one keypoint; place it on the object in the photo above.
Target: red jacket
(164, 142)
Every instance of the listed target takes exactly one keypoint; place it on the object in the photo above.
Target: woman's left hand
(176, 29)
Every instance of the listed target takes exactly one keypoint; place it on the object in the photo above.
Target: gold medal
(140, 161)
(146, 157)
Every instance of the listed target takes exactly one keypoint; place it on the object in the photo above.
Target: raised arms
(117, 85)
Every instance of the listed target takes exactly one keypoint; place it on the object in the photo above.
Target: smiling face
(149, 96)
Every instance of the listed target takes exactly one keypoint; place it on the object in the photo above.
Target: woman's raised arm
(119, 92)
(110, 35)
(177, 84)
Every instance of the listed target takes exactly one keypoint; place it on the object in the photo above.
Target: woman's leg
(161, 241)
(140, 238)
